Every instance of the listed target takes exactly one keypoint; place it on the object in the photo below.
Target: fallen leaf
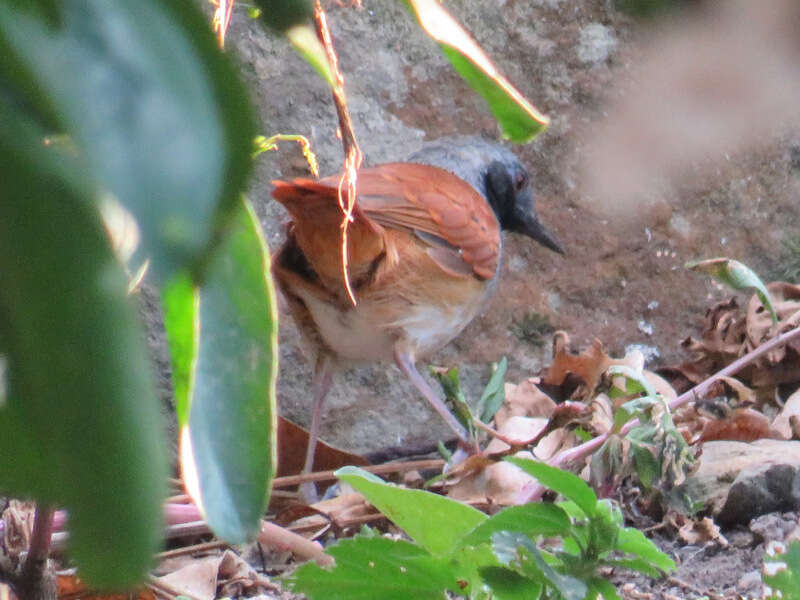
(524, 400)
(292, 444)
(702, 531)
(782, 423)
(743, 425)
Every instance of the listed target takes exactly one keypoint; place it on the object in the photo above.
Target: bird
(425, 250)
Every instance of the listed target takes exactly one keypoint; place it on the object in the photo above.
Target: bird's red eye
(520, 181)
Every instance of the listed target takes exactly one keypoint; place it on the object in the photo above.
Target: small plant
(458, 549)
(533, 328)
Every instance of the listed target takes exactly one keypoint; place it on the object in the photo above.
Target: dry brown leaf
(699, 532)
(525, 400)
(782, 423)
(292, 443)
(517, 428)
(497, 483)
(589, 365)
(201, 576)
(743, 425)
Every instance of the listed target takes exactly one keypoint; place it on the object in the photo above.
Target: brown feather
(394, 196)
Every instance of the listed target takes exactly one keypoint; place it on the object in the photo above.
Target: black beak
(534, 229)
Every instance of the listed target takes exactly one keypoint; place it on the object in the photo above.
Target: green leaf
(603, 587)
(436, 523)
(565, 483)
(518, 119)
(230, 440)
(519, 551)
(284, 14)
(787, 581)
(377, 567)
(154, 107)
(181, 321)
(307, 45)
(635, 381)
(531, 519)
(634, 564)
(736, 275)
(80, 426)
(510, 585)
(495, 393)
(453, 395)
(633, 541)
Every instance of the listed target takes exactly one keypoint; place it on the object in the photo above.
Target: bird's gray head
(498, 175)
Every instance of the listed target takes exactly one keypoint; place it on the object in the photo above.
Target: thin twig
(535, 491)
(352, 153)
(204, 547)
(399, 467)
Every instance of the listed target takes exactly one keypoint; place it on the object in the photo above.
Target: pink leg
(405, 360)
(323, 378)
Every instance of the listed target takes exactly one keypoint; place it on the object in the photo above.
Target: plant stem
(33, 582)
(535, 491)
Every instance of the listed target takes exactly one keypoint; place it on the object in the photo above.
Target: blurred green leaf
(80, 427)
(518, 119)
(787, 580)
(565, 483)
(736, 275)
(232, 419)
(604, 587)
(495, 393)
(181, 321)
(153, 105)
(376, 567)
(635, 381)
(507, 584)
(453, 396)
(434, 522)
(307, 45)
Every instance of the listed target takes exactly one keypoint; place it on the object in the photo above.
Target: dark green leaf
(232, 420)
(518, 119)
(510, 585)
(153, 105)
(377, 567)
(531, 519)
(436, 523)
(495, 393)
(632, 541)
(565, 483)
(81, 426)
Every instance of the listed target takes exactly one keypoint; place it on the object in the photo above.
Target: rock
(757, 491)
(764, 474)
(773, 527)
(596, 44)
(749, 584)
